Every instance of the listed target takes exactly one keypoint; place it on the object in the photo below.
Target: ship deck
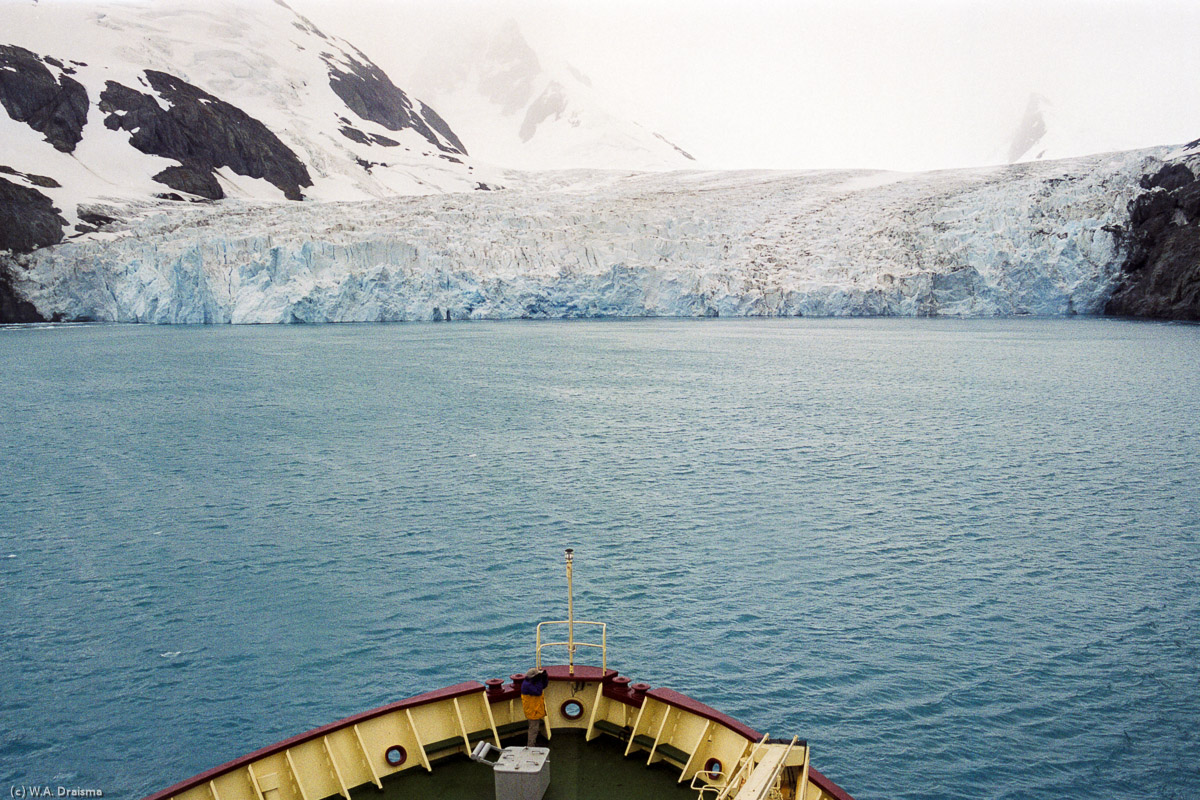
(579, 770)
(389, 750)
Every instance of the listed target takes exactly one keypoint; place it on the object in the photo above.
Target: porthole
(713, 768)
(395, 755)
(572, 709)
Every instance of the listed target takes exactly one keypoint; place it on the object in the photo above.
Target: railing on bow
(571, 643)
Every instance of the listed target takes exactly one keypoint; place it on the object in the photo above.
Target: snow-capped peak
(519, 109)
(1027, 139)
(1046, 132)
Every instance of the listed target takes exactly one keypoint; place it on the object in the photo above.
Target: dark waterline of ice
(962, 558)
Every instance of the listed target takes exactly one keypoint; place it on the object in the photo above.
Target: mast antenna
(570, 614)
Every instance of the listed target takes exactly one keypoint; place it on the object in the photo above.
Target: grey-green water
(960, 557)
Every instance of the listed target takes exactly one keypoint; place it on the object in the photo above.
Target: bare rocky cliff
(1160, 278)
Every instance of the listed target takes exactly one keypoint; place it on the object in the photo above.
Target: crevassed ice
(1038, 239)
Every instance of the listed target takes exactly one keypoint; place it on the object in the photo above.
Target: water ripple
(962, 559)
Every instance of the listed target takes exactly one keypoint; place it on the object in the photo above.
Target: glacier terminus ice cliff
(1030, 239)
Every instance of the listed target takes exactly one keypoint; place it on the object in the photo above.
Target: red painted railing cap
(562, 672)
(680, 700)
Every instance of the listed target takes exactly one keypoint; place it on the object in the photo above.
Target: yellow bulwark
(722, 758)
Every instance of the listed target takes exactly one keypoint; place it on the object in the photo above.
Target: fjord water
(961, 557)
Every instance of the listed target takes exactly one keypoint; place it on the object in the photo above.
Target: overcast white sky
(857, 83)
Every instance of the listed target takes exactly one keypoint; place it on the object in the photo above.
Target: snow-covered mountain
(1027, 142)
(523, 111)
(1044, 132)
(203, 99)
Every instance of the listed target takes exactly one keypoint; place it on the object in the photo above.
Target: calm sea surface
(961, 557)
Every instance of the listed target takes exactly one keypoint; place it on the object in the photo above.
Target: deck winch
(522, 773)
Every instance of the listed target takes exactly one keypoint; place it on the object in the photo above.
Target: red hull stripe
(674, 698)
(828, 786)
(563, 673)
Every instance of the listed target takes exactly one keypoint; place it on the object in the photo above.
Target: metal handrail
(782, 761)
(708, 782)
(571, 644)
(750, 763)
(746, 765)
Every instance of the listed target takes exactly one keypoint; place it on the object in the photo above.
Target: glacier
(1041, 238)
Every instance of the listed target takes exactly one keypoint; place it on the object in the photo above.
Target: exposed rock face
(28, 220)
(194, 181)
(676, 147)
(520, 111)
(91, 221)
(440, 125)
(1161, 274)
(370, 93)
(203, 133)
(35, 180)
(12, 307)
(31, 94)
(355, 135)
(551, 103)
(1030, 132)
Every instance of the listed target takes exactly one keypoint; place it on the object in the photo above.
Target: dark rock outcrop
(193, 181)
(1030, 132)
(1161, 275)
(203, 133)
(551, 103)
(1170, 177)
(354, 135)
(36, 180)
(92, 221)
(12, 307)
(28, 219)
(29, 92)
(369, 92)
(677, 148)
(438, 124)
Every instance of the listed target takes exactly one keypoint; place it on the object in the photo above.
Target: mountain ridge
(187, 101)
